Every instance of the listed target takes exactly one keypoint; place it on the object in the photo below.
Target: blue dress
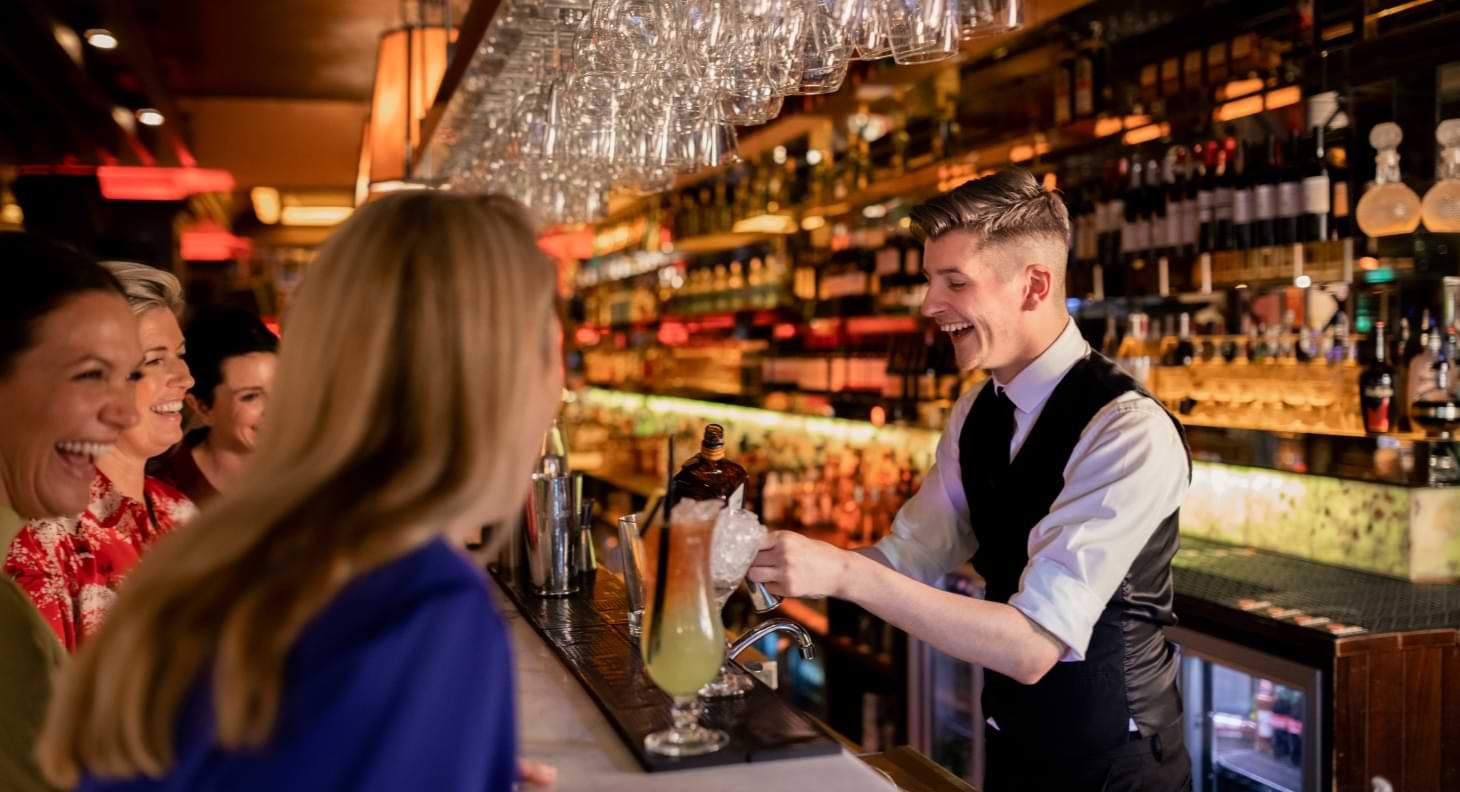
(404, 682)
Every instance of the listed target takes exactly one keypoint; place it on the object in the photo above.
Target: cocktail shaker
(552, 536)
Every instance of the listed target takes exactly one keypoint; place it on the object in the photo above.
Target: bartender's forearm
(993, 635)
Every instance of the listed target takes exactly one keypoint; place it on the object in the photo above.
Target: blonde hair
(147, 287)
(397, 393)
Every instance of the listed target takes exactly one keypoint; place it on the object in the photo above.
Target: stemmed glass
(737, 539)
(683, 641)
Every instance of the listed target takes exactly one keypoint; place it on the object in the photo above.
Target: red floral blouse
(71, 567)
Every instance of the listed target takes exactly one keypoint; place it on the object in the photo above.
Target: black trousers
(1145, 764)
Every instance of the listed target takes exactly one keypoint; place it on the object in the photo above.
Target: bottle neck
(712, 454)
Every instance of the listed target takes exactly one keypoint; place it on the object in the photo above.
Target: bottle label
(1159, 235)
(1142, 230)
(1222, 204)
(1290, 199)
(1315, 194)
(1340, 199)
(1242, 206)
(1204, 201)
(1176, 224)
(1190, 221)
(1376, 411)
(1265, 202)
(1127, 237)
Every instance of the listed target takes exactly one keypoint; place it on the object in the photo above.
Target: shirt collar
(1032, 387)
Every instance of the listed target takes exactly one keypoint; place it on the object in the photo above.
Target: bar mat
(589, 633)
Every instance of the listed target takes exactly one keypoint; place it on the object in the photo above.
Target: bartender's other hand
(792, 565)
(536, 773)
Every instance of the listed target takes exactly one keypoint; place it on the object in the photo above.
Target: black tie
(1001, 427)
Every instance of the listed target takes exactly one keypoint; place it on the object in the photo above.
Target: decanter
(1388, 207)
(1441, 208)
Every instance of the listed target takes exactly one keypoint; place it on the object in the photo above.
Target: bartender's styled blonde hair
(412, 346)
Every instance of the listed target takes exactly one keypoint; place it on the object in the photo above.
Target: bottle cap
(714, 436)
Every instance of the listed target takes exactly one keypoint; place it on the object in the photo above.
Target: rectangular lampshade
(408, 68)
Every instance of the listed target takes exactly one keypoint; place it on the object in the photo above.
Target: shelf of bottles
(1204, 159)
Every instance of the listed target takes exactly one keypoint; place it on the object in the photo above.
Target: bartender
(1061, 480)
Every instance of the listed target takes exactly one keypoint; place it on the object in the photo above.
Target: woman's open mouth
(79, 456)
(171, 410)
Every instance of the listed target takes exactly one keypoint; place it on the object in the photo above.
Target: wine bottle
(1206, 198)
(1265, 205)
(1376, 387)
(709, 474)
(1317, 189)
(1222, 196)
(1289, 193)
(1243, 190)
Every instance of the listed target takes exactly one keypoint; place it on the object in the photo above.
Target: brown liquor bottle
(709, 474)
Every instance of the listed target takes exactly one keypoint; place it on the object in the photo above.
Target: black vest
(1129, 672)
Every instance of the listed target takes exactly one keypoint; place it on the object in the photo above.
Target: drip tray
(587, 631)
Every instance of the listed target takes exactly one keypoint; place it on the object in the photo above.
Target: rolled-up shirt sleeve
(1128, 473)
(931, 534)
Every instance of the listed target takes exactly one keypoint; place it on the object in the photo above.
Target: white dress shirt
(1126, 474)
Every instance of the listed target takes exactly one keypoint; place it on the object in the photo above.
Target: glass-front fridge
(1253, 721)
(945, 717)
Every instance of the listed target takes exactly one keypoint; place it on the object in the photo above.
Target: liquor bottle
(1135, 233)
(1317, 189)
(1206, 197)
(1265, 203)
(1376, 387)
(1389, 207)
(1262, 714)
(1436, 408)
(1441, 206)
(709, 474)
(1090, 74)
(1064, 91)
(1244, 190)
(1157, 279)
(1183, 352)
(1289, 193)
(1400, 359)
(1422, 366)
(1222, 196)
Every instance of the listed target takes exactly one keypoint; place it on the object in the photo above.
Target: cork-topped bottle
(709, 474)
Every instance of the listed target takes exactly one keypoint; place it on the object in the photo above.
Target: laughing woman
(72, 566)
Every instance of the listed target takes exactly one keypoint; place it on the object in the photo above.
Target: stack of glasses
(567, 100)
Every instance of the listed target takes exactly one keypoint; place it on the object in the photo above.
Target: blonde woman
(318, 627)
(72, 566)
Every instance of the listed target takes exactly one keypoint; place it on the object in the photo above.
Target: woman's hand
(536, 773)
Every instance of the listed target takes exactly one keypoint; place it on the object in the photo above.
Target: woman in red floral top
(71, 567)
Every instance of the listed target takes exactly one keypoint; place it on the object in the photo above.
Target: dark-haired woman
(68, 353)
(232, 357)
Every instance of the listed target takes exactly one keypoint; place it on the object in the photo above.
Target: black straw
(661, 576)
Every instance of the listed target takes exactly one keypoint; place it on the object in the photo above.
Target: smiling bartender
(1061, 479)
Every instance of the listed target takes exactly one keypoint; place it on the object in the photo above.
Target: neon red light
(120, 183)
(208, 242)
(586, 336)
(673, 334)
(881, 325)
(784, 330)
(272, 322)
(568, 244)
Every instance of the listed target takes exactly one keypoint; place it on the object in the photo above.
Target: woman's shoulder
(432, 584)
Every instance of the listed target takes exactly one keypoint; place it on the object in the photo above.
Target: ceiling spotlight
(101, 38)
(149, 117)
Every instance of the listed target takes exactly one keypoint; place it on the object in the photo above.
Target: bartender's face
(974, 298)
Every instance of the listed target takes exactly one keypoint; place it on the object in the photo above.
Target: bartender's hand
(792, 565)
(536, 773)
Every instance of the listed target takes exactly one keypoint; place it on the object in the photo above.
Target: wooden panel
(1367, 643)
(1386, 744)
(1428, 638)
(1450, 719)
(1423, 680)
(1350, 723)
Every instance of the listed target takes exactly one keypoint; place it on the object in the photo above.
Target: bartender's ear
(1039, 285)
